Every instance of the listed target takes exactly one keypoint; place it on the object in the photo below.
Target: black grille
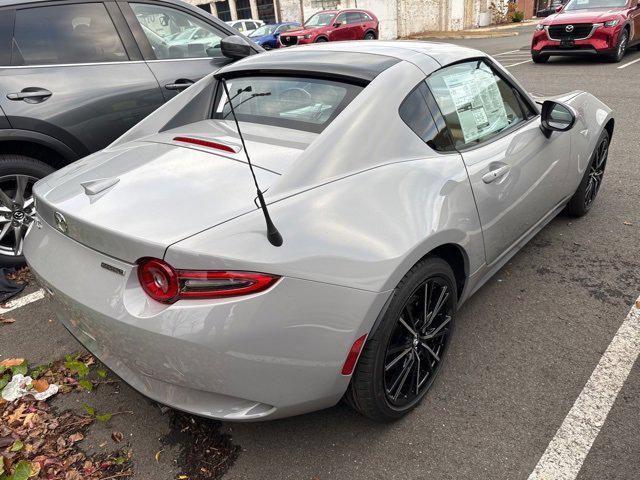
(289, 40)
(580, 30)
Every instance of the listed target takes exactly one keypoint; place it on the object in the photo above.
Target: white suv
(246, 26)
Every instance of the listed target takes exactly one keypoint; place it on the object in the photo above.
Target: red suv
(588, 27)
(333, 25)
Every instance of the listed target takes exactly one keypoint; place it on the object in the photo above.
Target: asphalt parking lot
(525, 346)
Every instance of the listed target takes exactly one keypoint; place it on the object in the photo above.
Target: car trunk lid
(158, 192)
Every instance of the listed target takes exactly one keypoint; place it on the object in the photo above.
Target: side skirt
(483, 274)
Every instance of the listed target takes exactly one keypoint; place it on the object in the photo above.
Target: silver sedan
(301, 226)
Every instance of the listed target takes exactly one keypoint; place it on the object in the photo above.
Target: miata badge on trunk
(61, 222)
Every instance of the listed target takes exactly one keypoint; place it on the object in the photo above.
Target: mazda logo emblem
(568, 28)
(61, 222)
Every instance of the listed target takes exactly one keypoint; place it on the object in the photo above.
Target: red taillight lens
(164, 284)
(158, 279)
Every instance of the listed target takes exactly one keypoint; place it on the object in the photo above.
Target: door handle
(495, 174)
(179, 84)
(30, 95)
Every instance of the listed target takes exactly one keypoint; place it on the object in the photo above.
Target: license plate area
(567, 42)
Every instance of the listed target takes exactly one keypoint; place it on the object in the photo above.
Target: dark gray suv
(75, 75)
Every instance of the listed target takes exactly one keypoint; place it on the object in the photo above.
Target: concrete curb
(458, 35)
(483, 32)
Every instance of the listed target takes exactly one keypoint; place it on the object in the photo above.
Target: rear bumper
(274, 354)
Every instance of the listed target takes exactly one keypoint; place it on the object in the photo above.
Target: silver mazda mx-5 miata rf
(392, 179)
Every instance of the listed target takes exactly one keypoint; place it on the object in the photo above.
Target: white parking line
(630, 63)
(519, 63)
(566, 453)
(22, 301)
(504, 53)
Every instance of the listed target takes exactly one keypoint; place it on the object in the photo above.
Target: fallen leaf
(7, 320)
(105, 417)
(17, 446)
(11, 362)
(73, 475)
(158, 455)
(22, 471)
(638, 303)
(627, 223)
(35, 469)
(76, 437)
(117, 436)
(86, 384)
(40, 385)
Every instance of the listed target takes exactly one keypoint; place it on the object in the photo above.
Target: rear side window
(354, 17)
(292, 102)
(60, 34)
(477, 104)
(6, 32)
(415, 112)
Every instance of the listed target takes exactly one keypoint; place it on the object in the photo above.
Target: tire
(583, 198)
(13, 166)
(621, 48)
(368, 392)
(539, 58)
(321, 40)
(370, 36)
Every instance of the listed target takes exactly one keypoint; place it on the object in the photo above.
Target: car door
(75, 74)
(355, 25)
(341, 32)
(180, 48)
(635, 19)
(517, 174)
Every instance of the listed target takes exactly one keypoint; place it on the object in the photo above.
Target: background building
(398, 18)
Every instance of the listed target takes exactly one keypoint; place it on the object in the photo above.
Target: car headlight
(611, 23)
(307, 36)
(540, 27)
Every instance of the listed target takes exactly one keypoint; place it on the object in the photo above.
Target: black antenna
(273, 234)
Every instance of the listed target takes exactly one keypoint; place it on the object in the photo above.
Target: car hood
(136, 200)
(262, 38)
(582, 16)
(303, 31)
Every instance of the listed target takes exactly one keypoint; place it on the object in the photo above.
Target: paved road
(524, 348)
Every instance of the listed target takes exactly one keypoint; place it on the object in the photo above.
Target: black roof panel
(354, 65)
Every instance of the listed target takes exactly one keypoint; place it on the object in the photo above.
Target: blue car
(267, 35)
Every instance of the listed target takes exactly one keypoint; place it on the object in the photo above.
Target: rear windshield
(292, 102)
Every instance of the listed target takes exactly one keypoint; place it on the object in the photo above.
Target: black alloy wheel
(596, 172)
(417, 344)
(585, 195)
(403, 356)
(370, 36)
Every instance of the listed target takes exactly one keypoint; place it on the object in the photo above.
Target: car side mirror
(559, 8)
(337, 24)
(556, 117)
(235, 47)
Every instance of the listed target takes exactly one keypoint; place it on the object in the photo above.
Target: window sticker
(478, 103)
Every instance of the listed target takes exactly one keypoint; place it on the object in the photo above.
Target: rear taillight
(165, 284)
